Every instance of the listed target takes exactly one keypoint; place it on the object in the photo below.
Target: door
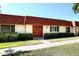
(37, 31)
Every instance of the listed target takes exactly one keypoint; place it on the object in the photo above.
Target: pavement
(45, 44)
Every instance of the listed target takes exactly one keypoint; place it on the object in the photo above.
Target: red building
(35, 25)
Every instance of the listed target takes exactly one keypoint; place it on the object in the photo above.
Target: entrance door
(37, 31)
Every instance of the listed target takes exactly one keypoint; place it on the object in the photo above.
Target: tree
(76, 7)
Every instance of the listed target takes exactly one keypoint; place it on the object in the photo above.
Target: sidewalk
(39, 46)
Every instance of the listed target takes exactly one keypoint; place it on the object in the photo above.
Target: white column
(74, 27)
(25, 23)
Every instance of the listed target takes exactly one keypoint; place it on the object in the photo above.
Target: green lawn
(19, 43)
(65, 50)
(63, 39)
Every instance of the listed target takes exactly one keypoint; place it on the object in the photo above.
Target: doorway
(37, 30)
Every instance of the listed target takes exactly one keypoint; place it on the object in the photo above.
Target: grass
(65, 50)
(18, 43)
(63, 39)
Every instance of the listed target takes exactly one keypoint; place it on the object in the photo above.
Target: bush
(25, 36)
(4, 37)
(12, 36)
(57, 35)
(78, 33)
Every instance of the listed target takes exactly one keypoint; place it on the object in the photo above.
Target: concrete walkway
(39, 46)
(45, 41)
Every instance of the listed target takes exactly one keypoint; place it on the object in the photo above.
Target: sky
(61, 11)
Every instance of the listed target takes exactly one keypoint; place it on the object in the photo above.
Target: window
(57, 29)
(12, 28)
(67, 29)
(54, 28)
(46, 27)
(7, 28)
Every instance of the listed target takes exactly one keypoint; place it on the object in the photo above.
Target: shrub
(4, 37)
(57, 35)
(12, 36)
(78, 33)
(25, 36)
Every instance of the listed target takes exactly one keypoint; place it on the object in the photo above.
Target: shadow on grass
(17, 53)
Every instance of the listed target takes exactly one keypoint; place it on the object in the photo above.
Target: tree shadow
(11, 52)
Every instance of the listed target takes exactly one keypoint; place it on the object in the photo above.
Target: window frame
(67, 29)
(56, 28)
(9, 30)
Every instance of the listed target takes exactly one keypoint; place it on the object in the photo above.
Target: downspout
(25, 23)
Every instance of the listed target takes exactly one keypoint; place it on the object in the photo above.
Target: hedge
(25, 36)
(4, 37)
(8, 37)
(57, 35)
(78, 33)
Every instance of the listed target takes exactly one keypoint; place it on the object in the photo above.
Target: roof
(11, 19)
(76, 23)
(47, 21)
(14, 19)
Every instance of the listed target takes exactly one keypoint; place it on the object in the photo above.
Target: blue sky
(50, 10)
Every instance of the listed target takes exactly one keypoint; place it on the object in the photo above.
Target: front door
(37, 30)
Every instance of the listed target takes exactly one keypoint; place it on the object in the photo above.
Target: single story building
(36, 25)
